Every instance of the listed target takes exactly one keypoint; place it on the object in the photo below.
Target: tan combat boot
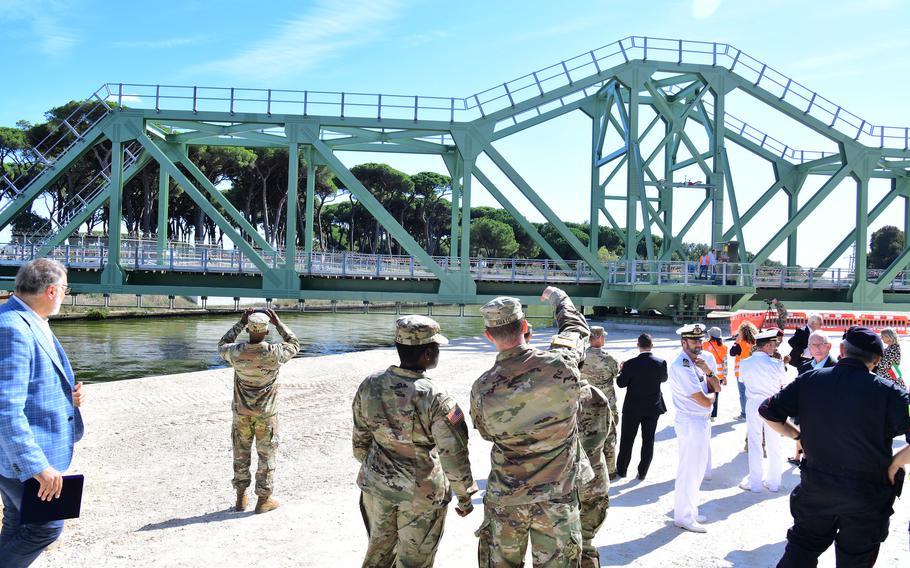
(242, 501)
(266, 504)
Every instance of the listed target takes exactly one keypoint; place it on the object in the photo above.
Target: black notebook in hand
(67, 506)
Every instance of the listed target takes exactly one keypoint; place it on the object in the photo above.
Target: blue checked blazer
(38, 422)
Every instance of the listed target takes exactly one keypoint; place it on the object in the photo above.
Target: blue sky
(54, 51)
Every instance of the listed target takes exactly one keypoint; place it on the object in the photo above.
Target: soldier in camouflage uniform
(527, 405)
(595, 424)
(600, 369)
(256, 363)
(781, 314)
(412, 442)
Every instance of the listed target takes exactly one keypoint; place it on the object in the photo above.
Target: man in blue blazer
(39, 407)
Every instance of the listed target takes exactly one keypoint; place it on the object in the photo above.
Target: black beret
(865, 339)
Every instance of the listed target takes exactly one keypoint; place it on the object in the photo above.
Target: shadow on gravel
(765, 555)
(215, 516)
(620, 554)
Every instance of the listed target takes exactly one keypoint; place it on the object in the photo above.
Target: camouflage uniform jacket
(527, 405)
(595, 421)
(601, 369)
(256, 369)
(411, 440)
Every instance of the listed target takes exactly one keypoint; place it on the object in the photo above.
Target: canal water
(116, 349)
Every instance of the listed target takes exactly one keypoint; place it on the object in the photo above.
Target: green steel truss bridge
(657, 113)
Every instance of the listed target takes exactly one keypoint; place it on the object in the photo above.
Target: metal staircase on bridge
(610, 84)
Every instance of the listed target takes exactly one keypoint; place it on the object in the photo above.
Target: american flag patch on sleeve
(455, 415)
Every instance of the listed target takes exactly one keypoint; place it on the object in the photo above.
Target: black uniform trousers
(850, 513)
(630, 424)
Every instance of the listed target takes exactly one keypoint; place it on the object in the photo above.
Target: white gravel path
(157, 462)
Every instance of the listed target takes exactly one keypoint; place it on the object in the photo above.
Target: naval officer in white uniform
(693, 384)
(763, 377)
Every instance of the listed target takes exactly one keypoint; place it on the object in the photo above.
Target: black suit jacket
(642, 376)
(798, 344)
(829, 362)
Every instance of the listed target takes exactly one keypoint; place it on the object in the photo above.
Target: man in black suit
(800, 341)
(642, 406)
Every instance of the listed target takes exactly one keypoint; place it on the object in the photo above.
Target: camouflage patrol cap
(597, 331)
(501, 311)
(418, 330)
(257, 323)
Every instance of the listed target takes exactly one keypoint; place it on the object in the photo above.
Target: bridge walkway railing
(142, 255)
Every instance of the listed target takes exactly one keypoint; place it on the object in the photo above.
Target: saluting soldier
(411, 439)
(527, 405)
(595, 424)
(256, 363)
(848, 419)
(601, 369)
(693, 384)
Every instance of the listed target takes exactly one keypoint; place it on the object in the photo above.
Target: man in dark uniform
(849, 418)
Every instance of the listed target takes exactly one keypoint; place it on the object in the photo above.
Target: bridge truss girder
(679, 96)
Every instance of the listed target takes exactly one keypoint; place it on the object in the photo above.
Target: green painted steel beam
(171, 168)
(222, 201)
(89, 209)
(52, 173)
(810, 205)
(545, 210)
(310, 135)
(521, 219)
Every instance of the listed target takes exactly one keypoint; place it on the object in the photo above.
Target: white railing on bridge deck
(179, 257)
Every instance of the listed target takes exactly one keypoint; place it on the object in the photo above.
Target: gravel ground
(156, 457)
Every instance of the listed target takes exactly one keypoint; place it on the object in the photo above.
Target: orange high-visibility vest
(746, 348)
(720, 357)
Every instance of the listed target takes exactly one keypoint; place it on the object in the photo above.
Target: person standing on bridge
(411, 440)
(600, 369)
(256, 363)
(704, 262)
(848, 420)
(40, 420)
(527, 406)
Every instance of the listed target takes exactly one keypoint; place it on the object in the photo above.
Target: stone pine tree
(884, 246)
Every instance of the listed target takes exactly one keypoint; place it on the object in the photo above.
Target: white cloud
(308, 40)
(702, 9)
(164, 43)
(125, 99)
(43, 17)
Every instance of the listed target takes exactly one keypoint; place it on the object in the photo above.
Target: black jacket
(848, 417)
(807, 366)
(798, 344)
(642, 375)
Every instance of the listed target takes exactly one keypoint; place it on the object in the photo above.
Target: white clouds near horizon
(702, 9)
(306, 41)
(51, 37)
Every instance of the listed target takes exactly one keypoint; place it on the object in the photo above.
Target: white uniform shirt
(763, 375)
(686, 380)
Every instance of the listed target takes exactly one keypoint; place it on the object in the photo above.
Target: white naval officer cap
(691, 331)
(766, 335)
